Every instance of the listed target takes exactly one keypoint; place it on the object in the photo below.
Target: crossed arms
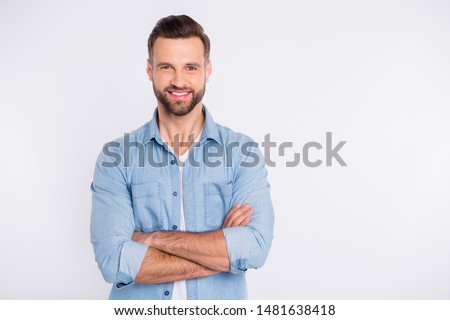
(174, 256)
(125, 256)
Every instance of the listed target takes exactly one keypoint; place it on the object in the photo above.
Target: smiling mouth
(179, 95)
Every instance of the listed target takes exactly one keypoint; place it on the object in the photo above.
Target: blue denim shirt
(136, 187)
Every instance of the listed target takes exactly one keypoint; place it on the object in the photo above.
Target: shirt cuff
(238, 248)
(131, 257)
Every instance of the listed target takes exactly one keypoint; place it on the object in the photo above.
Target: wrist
(152, 239)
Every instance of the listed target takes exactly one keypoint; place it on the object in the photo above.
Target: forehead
(178, 50)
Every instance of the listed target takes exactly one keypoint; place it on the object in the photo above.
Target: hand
(238, 216)
(143, 237)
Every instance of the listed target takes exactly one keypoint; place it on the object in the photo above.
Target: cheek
(160, 80)
(199, 81)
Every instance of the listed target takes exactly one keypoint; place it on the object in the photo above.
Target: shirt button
(175, 193)
(172, 161)
(166, 293)
(174, 227)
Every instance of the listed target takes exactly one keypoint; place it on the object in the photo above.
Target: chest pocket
(217, 203)
(147, 206)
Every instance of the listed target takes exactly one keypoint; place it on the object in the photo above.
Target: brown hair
(178, 27)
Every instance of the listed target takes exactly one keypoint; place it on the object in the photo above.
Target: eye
(165, 67)
(191, 68)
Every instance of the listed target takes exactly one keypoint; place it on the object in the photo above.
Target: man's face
(179, 73)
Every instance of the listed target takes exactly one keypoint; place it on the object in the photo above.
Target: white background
(376, 74)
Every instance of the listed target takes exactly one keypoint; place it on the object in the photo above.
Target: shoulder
(114, 149)
(240, 149)
(136, 136)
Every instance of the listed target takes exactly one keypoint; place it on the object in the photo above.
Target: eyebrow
(163, 64)
(193, 64)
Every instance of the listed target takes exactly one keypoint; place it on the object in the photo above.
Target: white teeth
(179, 94)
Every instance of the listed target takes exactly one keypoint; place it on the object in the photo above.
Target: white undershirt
(179, 287)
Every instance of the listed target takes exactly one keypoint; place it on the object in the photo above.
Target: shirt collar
(210, 129)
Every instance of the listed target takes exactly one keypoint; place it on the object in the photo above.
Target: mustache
(172, 88)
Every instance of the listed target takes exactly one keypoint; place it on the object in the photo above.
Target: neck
(180, 129)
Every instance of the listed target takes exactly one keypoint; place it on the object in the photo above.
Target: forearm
(158, 267)
(206, 248)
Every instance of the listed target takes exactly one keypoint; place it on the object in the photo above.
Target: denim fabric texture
(137, 188)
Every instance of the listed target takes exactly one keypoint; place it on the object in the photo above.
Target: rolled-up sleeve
(112, 224)
(248, 246)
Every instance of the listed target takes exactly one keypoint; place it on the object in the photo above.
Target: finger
(227, 217)
(245, 222)
(240, 221)
(136, 236)
(142, 237)
(238, 213)
(233, 215)
(236, 207)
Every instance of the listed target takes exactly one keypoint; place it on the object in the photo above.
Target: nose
(178, 79)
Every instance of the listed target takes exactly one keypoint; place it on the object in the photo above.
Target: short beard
(179, 108)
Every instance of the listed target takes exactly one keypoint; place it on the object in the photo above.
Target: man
(181, 206)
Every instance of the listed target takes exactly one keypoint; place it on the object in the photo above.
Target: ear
(208, 70)
(149, 70)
